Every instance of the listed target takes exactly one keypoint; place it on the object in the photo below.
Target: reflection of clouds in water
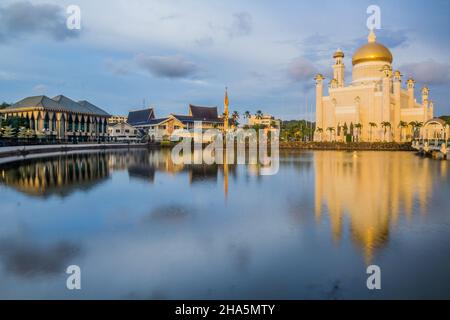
(25, 259)
(241, 255)
(171, 213)
(173, 238)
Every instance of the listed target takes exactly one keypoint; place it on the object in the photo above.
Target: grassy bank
(368, 146)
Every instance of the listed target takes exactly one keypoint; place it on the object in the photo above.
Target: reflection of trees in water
(58, 175)
(372, 189)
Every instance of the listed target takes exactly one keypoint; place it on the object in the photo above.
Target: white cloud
(242, 24)
(167, 66)
(428, 71)
(7, 76)
(40, 88)
(24, 18)
(301, 69)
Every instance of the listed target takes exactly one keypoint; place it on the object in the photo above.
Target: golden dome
(372, 51)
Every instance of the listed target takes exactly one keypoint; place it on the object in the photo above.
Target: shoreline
(23, 151)
(352, 146)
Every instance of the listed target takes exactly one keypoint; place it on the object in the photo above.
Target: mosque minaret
(373, 106)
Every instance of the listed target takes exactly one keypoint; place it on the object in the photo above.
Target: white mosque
(373, 106)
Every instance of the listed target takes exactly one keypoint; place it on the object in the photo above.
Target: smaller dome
(338, 54)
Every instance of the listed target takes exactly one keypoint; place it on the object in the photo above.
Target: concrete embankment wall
(20, 151)
(361, 146)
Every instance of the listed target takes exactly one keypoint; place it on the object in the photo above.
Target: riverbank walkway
(15, 151)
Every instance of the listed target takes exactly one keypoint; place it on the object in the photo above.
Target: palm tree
(259, 114)
(385, 125)
(358, 127)
(415, 126)
(234, 118)
(320, 131)
(372, 125)
(330, 130)
(273, 124)
(402, 125)
(247, 115)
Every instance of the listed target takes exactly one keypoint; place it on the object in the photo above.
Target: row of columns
(58, 122)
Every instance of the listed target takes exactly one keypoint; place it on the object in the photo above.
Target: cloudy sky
(169, 53)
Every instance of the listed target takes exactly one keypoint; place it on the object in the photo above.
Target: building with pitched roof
(114, 119)
(141, 118)
(123, 132)
(61, 118)
(162, 129)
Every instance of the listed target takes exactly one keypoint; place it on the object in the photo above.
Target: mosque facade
(374, 105)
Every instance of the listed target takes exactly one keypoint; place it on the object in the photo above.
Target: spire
(372, 36)
(226, 111)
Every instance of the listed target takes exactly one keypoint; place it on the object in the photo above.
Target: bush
(166, 143)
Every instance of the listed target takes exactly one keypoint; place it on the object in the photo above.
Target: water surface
(141, 227)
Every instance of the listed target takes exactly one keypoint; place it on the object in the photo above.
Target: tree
(4, 105)
(372, 125)
(320, 131)
(416, 125)
(445, 118)
(358, 127)
(273, 124)
(259, 114)
(330, 130)
(385, 125)
(402, 125)
(345, 128)
(247, 115)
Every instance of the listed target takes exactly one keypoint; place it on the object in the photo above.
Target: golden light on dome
(372, 51)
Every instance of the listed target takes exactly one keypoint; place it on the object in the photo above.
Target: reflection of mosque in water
(372, 191)
(59, 175)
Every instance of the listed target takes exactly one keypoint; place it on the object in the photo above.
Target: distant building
(61, 118)
(265, 120)
(162, 129)
(123, 132)
(117, 119)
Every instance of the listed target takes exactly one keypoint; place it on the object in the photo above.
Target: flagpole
(307, 115)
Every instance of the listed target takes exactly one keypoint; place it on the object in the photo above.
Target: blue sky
(174, 52)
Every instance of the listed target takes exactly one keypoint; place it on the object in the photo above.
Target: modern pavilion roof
(156, 121)
(203, 113)
(141, 117)
(93, 108)
(58, 104)
(197, 113)
(191, 119)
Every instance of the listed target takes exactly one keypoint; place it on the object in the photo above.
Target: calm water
(141, 227)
